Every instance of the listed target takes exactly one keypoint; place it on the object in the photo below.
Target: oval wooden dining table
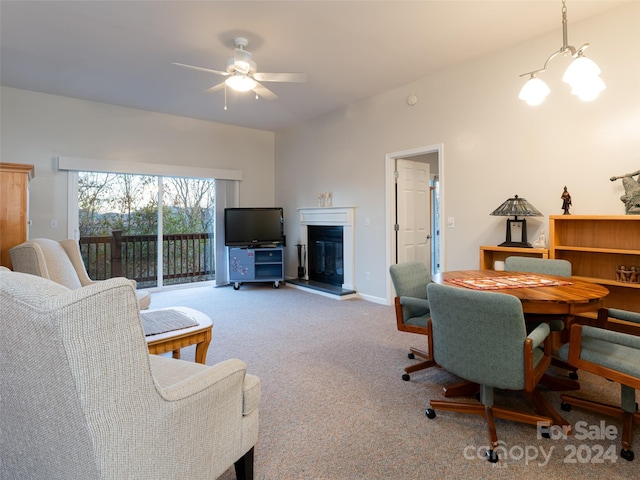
(568, 299)
(574, 298)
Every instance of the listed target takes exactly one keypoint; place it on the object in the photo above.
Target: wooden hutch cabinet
(14, 206)
(597, 247)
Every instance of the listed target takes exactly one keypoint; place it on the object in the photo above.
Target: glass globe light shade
(241, 83)
(580, 68)
(588, 89)
(534, 91)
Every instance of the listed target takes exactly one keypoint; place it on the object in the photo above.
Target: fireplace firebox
(325, 244)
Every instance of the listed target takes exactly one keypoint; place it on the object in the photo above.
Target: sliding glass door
(156, 230)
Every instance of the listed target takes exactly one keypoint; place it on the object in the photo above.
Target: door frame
(390, 206)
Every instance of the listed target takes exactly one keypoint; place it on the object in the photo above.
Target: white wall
(495, 146)
(36, 128)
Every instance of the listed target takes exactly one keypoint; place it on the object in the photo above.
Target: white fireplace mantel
(332, 216)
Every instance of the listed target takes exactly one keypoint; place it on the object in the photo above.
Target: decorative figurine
(631, 197)
(541, 241)
(566, 201)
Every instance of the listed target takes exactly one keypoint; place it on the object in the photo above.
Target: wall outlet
(54, 223)
(367, 275)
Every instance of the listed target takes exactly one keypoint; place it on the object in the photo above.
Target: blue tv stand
(259, 264)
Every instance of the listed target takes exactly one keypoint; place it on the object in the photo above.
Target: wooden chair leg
(628, 418)
(543, 408)
(420, 366)
(559, 384)
(244, 466)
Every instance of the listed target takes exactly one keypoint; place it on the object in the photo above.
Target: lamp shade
(581, 68)
(534, 91)
(516, 206)
(588, 88)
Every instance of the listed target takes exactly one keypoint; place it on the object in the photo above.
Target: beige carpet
(334, 406)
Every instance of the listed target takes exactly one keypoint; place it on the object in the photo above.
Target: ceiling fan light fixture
(242, 60)
(241, 83)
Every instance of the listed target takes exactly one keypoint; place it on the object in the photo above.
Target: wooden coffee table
(199, 335)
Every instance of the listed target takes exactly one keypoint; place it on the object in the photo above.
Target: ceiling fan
(242, 73)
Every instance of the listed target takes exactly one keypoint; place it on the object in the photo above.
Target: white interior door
(413, 215)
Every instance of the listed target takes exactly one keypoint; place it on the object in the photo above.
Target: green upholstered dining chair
(481, 337)
(558, 267)
(410, 281)
(613, 355)
(546, 266)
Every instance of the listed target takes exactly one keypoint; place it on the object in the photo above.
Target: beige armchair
(60, 262)
(82, 397)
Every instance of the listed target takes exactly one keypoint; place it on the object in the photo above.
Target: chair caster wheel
(492, 456)
(573, 375)
(431, 413)
(627, 455)
(406, 377)
(565, 407)
(411, 356)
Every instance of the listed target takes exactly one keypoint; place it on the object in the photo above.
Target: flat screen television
(245, 227)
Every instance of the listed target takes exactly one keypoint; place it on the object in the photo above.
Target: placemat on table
(515, 281)
(162, 321)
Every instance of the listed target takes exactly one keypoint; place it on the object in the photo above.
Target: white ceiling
(120, 52)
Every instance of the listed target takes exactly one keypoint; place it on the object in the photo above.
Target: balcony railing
(187, 257)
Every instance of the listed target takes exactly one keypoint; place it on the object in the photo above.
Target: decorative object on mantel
(325, 199)
(631, 197)
(566, 201)
(627, 274)
(582, 75)
(518, 207)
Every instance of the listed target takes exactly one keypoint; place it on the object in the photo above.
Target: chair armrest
(539, 334)
(179, 379)
(625, 315)
(72, 249)
(611, 336)
(414, 302)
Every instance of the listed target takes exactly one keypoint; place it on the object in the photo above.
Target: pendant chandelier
(582, 75)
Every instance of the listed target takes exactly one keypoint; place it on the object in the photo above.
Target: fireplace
(326, 254)
(333, 217)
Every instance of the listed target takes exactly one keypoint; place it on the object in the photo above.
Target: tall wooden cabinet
(596, 246)
(14, 207)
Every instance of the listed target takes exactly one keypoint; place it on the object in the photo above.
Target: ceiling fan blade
(202, 69)
(215, 88)
(264, 92)
(280, 77)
